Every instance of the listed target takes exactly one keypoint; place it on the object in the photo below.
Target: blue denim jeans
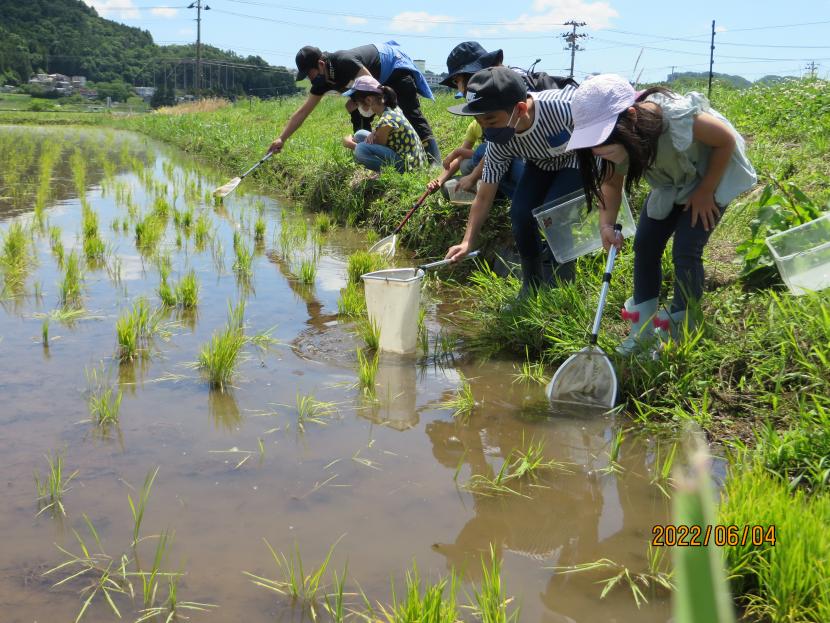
(536, 187)
(375, 156)
(687, 253)
(508, 183)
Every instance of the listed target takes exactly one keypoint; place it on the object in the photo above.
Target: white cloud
(124, 9)
(720, 28)
(164, 11)
(418, 21)
(547, 13)
(483, 32)
(354, 21)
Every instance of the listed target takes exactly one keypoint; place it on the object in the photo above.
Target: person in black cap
(336, 71)
(520, 124)
(464, 60)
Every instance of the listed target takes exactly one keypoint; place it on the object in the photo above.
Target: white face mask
(366, 112)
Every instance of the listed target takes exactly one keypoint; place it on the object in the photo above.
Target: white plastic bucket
(571, 230)
(456, 195)
(802, 255)
(393, 298)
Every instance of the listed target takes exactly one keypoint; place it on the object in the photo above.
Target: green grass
(435, 603)
(786, 581)
(308, 271)
(184, 294)
(311, 410)
(492, 604)
(369, 332)
(16, 257)
(323, 222)
(259, 229)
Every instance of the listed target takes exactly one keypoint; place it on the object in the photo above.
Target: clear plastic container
(456, 196)
(571, 230)
(802, 255)
(393, 298)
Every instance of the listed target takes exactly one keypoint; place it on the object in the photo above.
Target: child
(694, 161)
(518, 124)
(394, 141)
(464, 60)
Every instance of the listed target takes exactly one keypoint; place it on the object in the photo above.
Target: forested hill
(69, 37)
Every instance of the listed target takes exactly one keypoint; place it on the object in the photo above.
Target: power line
(572, 39)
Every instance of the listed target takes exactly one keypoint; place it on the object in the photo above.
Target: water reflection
(224, 410)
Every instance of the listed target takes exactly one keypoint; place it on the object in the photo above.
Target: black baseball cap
(306, 59)
(468, 58)
(491, 89)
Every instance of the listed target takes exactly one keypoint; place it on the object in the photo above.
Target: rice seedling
(183, 219)
(311, 410)
(150, 579)
(491, 603)
(139, 506)
(244, 259)
(94, 249)
(187, 291)
(362, 262)
(136, 327)
(167, 294)
(335, 603)
(171, 609)
(148, 232)
(323, 222)
(463, 402)
(103, 401)
(444, 346)
(55, 484)
(530, 371)
(55, 244)
(44, 332)
(15, 256)
(161, 207)
(71, 287)
(367, 370)
(293, 581)
(431, 604)
(614, 466)
(220, 357)
(351, 303)
(308, 271)
(652, 579)
(259, 229)
(106, 576)
(662, 469)
(423, 332)
(369, 331)
(202, 230)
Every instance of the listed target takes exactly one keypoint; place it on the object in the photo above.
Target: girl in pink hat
(695, 163)
(393, 141)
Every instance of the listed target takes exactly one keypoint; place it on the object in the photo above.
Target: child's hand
(370, 139)
(434, 185)
(610, 237)
(702, 203)
(449, 159)
(467, 183)
(348, 141)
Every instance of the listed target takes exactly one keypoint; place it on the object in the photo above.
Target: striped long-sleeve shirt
(543, 143)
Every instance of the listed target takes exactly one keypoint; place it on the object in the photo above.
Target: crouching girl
(393, 141)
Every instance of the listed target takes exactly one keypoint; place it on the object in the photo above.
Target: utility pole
(812, 68)
(571, 38)
(197, 4)
(711, 59)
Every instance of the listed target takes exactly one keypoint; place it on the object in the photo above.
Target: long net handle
(417, 205)
(606, 284)
(257, 165)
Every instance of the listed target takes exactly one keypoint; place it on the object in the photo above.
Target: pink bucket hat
(595, 107)
(364, 84)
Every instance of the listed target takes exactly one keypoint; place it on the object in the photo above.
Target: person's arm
(451, 165)
(715, 134)
(611, 190)
(478, 214)
(294, 122)
(468, 182)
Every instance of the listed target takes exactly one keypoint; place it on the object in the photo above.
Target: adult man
(336, 71)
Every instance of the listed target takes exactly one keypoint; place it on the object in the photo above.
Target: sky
(642, 40)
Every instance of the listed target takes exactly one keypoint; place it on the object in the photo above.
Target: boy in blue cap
(336, 71)
(520, 124)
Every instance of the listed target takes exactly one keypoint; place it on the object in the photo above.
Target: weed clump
(362, 262)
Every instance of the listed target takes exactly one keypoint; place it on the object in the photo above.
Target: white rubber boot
(642, 326)
(672, 326)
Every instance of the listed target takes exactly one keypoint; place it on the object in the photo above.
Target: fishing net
(385, 247)
(586, 377)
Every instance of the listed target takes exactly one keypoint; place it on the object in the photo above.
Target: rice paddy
(146, 327)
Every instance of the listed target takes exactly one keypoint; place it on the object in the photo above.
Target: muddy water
(383, 479)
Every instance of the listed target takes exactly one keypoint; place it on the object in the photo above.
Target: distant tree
(117, 91)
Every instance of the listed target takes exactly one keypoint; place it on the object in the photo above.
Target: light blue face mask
(501, 136)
